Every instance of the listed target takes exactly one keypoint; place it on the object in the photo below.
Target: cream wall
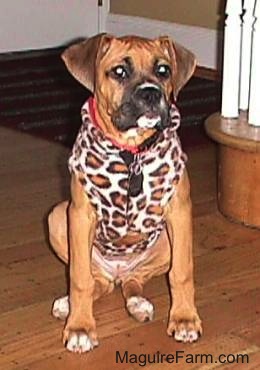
(203, 13)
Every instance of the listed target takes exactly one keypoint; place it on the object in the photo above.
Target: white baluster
(254, 99)
(231, 67)
(246, 46)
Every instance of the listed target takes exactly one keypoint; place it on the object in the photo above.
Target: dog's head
(133, 79)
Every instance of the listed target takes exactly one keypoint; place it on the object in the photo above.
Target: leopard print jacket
(105, 177)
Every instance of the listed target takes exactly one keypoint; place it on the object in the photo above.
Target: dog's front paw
(185, 328)
(140, 308)
(79, 341)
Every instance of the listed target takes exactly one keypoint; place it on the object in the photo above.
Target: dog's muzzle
(151, 95)
(143, 107)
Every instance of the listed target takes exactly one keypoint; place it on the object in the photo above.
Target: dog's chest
(109, 188)
(108, 182)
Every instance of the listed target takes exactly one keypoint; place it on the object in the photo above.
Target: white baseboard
(203, 42)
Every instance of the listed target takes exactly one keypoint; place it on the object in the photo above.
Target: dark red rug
(38, 96)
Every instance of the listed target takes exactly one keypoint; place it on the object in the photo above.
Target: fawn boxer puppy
(129, 216)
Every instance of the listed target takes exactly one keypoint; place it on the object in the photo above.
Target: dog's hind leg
(58, 236)
(58, 230)
(61, 308)
(155, 264)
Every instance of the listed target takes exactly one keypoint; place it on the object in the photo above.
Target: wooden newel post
(254, 102)
(238, 141)
(231, 62)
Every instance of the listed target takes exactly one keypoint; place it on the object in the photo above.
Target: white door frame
(103, 11)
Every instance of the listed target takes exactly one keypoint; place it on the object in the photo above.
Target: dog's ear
(183, 63)
(81, 59)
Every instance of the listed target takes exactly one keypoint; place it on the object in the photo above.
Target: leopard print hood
(106, 177)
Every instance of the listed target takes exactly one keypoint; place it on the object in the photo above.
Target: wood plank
(41, 347)
(215, 232)
(34, 177)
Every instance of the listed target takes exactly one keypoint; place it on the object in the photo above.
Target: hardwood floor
(33, 178)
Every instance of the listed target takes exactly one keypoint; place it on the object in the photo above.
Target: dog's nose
(149, 93)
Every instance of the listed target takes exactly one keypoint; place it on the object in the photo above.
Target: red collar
(92, 111)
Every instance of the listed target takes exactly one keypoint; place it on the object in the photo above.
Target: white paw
(186, 336)
(140, 308)
(60, 308)
(80, 342)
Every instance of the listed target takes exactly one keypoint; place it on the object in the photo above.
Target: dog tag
(136, 176)
(135, 184)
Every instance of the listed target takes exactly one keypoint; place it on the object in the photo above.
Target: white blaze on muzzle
(146, 122)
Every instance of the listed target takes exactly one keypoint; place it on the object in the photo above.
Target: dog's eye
(120, 72)
(163, 71)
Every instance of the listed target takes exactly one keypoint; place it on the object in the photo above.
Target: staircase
(237, 127)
